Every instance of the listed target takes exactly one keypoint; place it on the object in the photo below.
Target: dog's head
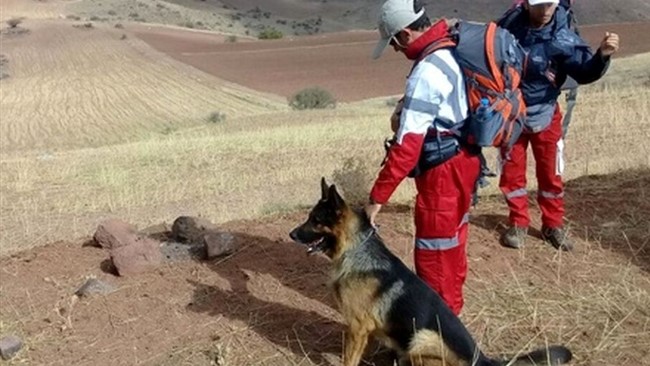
(321, 231)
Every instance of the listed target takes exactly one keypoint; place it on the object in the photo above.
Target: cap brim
(379, 49)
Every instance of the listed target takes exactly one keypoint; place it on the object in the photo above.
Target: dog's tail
(549, 356)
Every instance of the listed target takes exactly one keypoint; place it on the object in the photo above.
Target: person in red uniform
(434, 104)
(555, 51)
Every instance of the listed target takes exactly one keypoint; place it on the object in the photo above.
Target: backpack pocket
(435, 151)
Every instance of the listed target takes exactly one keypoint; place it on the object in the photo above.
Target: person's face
(541, 14)
(401, 40)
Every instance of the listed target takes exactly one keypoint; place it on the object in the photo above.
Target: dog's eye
(317, 220)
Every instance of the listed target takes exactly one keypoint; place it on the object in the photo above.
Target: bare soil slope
(338, 62)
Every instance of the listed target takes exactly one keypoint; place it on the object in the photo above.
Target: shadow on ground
(613, 210)
(305, 333)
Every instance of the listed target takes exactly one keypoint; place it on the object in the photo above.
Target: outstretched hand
(395, 117)
(609, 44)
(372, 209)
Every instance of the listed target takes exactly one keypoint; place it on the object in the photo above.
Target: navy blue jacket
(555, 51)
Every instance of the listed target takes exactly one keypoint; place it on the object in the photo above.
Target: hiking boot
(558, 237)
(514, 237)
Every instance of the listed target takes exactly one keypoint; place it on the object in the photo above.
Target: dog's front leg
(355, 343)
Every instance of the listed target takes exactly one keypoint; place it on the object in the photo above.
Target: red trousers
(441, 224)
(548, 165)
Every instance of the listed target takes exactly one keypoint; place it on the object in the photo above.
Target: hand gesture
(609, 44)
(372, 209)
(395, 117)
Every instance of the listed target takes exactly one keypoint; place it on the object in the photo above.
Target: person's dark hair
(422, 22)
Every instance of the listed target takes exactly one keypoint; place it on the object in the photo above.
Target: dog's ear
(324, 188)
(335, 197)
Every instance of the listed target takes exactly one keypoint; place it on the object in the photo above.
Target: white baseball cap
(394, 16)
(538, 2)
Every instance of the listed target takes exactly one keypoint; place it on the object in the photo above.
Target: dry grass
(31, 9)
(222, 172)
(248, 166)
(514, 312)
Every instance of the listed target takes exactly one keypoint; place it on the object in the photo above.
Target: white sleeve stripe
(419, 105)
(452, 76)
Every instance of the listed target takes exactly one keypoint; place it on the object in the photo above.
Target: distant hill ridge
(363, 13)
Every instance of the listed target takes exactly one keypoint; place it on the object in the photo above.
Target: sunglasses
(394, 41)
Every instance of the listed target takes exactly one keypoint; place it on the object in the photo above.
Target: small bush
(354, 180)
(84, 25)
(123, 37)
(217, 117)
(112, 12)
(270, 33)
(73, 17)
(119, 26)
(231, 39)
(13, 22)
(392, 102)
(312, 98)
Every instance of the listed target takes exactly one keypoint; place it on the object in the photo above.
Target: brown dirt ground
(268, 303)
(338, 62)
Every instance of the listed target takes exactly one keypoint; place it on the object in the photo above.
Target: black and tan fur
(379, 296)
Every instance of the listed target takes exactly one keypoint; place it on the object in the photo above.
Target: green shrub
(217, 117)
(392, 102)
(13, 22)
(312, 98)
(270, 33)
(354, 180)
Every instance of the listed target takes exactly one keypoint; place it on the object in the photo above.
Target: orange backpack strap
(490, 35)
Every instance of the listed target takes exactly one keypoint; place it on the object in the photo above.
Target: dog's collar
(373, 230)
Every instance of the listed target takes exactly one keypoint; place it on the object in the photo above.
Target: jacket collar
(435, 33)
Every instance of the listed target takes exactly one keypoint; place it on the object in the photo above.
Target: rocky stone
(113, 233)
(94, 286)
(173, 252)
(139, 255)
(9, 346)
(219, 244)
(189, 229)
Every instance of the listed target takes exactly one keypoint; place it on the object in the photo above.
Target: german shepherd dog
(379, 296)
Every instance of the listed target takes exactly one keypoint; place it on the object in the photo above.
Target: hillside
(295, 17)
(73, 86)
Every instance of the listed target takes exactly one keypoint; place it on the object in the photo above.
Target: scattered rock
(188, 229)
(219, 244)
(9, 346)
(174, 252)
(94, 286)
(139, 255)
(113, 233)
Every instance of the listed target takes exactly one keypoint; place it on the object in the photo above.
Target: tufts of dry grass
(251, 165)
(526, 308)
